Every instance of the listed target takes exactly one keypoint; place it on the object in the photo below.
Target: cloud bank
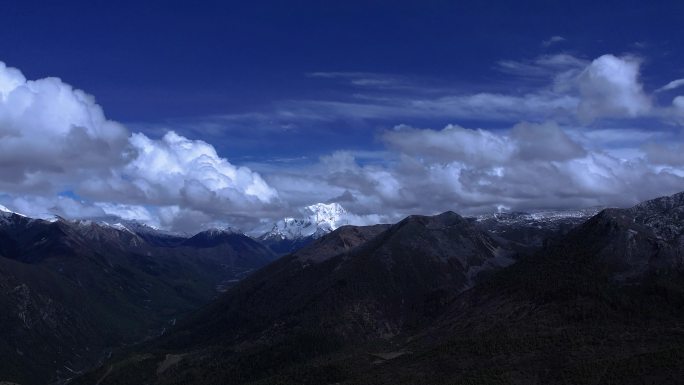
(59, 154)
(54, 138)
(529, 166)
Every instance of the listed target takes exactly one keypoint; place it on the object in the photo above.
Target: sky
(187, 115)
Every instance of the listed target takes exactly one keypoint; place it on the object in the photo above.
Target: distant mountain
(71, 291)
(527, 232)
(233, 250)
(408, 304)
(290, 234)
(152, 235)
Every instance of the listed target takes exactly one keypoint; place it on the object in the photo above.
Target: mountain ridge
(381, 282)
(396, 307)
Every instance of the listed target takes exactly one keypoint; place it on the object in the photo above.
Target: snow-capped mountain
(5, 212)
(151, 234)
(327, 216)
(316, 220)
(290, 234)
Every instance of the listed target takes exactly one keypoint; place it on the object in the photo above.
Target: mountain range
(74, 290)
(443, 300)
(567, 296)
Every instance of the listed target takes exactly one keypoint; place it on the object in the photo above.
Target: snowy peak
(221, 231)
(317, 220)
(326, 215)
(290, 228)
(118, 226)
(144, 229)
(5, 211)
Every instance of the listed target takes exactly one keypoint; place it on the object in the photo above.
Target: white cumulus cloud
(610, 87)
(179, 169)
(56, 138)
(528, 166)
(52, 133)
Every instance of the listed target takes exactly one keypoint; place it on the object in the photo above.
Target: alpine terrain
(440, 300)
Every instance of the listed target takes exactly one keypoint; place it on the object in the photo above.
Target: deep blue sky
(146, 60)
(158, 62)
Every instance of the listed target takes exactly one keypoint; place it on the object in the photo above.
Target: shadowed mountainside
(601, 304)
(354, 286)
(73, 291)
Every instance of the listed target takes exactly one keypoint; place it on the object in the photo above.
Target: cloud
(610, 87)
(545, 66)
(365, 79)
(529, 166)
(546, 142)
(185, 220)
(453, 143)
(187, 178)
(671, 154)
(10, 79)
(553, 40)
(128, 212)
(525, 141)
(51, 133)
(48, 206)
(565, 88)
(558, 87)
(55, 138)
(671, 85)
(176, 168)
(678, 103)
